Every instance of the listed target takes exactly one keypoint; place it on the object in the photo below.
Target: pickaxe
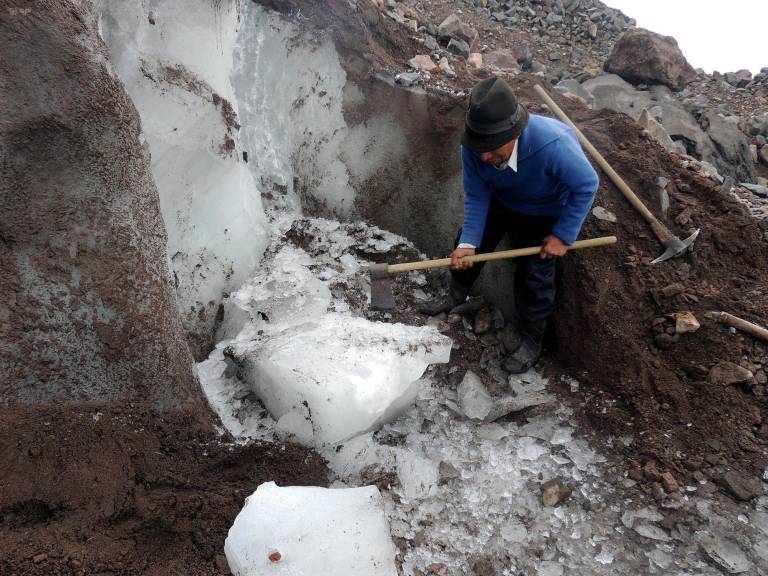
(673, 246)
(381, 285)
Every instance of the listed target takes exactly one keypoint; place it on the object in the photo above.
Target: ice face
(176, 70)
(305, 531)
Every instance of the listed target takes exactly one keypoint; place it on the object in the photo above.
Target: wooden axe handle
(741, 324)
(501, 255)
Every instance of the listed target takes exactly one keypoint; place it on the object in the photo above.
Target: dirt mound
(616, 312)
(94, 490)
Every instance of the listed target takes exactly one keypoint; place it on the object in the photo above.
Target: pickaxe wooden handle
(501, 255)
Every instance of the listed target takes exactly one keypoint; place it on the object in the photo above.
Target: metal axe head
(381, 287)
(676, 247)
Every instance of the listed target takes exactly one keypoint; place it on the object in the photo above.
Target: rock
(641, 56)
(756, 189)
(483, 322)
(458, 47)
(669, 483)
(725, 554)
(408, 79)
(555, 491)
(452, 28)
(733, 147)
(652, 532)
(763, 154)
(574, 89)
(502, 61)
(657, 131)
(758, 125)
(742, 487)
(430, 43)
(423, 63)
(602, 214)
(664, 341)
(686, 322)
(738, 79)
(446, 69)
(475, 60)
(729, 374)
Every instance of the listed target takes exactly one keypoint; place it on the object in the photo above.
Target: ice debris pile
(300, 530)
(324, 374)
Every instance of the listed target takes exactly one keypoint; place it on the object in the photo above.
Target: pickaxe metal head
(381, 287)
(676, 247)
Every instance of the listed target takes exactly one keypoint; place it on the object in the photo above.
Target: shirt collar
(512, 162)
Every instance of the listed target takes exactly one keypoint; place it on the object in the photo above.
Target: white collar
(512, 162)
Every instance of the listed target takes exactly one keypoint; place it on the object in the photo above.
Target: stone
(657, 131)
(742, 487)
(475, 60)
(453, 28)
(729, 374)
(734, 157)
(573, 88)
(669, 483)
(756, 189)
(446, 69)
(423, 63)
(763, 154)
(758, 125)
(408, 79)
(738, 79)
(502, 61)
(555, 491)
(483, 322)
(458, 47)
(602, 214)
(686, 322)
(725, 554)
(430, 42)
(641, 56)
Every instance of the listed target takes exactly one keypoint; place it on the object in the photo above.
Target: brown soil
(95, 490)
(636, 383)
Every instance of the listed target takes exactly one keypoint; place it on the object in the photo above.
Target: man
(525, 176)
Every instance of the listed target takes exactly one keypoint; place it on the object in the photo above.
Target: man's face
(500, 156)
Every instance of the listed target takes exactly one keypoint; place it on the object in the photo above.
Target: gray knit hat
(494, 116)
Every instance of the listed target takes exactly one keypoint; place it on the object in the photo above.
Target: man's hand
(553, 247)
(456, 255)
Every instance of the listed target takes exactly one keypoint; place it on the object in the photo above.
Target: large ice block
(339, 376)
(309, 531)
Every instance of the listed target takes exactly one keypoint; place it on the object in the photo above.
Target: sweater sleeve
(569, 165)
(477, 200)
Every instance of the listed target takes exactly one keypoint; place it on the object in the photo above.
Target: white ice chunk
(343, 375)
(418, 475)
(311, 531)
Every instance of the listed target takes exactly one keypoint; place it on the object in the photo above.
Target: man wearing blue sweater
(525, 176)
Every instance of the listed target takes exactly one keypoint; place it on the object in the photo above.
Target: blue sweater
(553, 178)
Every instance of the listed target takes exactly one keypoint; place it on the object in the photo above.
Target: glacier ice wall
(175, 58)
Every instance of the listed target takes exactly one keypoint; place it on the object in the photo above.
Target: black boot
(529, 350)
(511, 335)
(457, 294)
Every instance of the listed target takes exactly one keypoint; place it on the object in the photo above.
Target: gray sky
(723, 36)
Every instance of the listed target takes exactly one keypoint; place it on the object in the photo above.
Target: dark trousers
(534, 277)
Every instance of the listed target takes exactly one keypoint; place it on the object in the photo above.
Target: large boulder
(87, 307)
(453, 28)
(734, 157)
(641, 56)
